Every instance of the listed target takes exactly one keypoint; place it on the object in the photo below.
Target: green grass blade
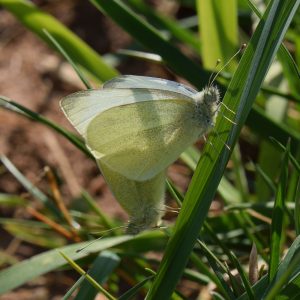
(261, 288)
(203, 269)
(152, 39)
(277, 286)
(244, 278)
(218, 30)
(292, 158)
(45, 262)
(74, 287)
(227, 292)
(61, 50)
(289, 64)
(12, 200)
(165, 22)
(243, 89)
(18, 108)
(88, 277)
(297, 207)
(277, 218)
(131, 293)
(291, 291)
(94, 207)
(33, 190)
(267, 180)
(265, 126)
(103, 266)
(36, 20)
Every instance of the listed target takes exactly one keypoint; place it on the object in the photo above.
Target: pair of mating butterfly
(135, 127)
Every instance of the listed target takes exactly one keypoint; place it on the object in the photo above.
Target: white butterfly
(139, 125)
(136, 126)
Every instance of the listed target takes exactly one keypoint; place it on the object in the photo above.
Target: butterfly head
(207, 103)
(211, 95)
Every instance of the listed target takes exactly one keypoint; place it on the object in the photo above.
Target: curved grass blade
(88, 277)
(61, 50)
(292, 158)
(103, 266)
(277, 286)
(277, 218)
(43, 263)
(33, 190)
(243, 89)
(244, 278)
(262, 287)
(36, 20)
(147, 35)
(130, 294)
(218, 30)
(20, 109)
(283, 53)
(261, 123)
(165, 22)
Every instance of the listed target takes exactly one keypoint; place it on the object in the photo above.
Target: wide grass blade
(218, 30)
(22, 110)
(167, 24)
(283, 54)
(151, 38)
(43, 263)
(103, 266)
(36, 20)
(243, 89)
(88, 277)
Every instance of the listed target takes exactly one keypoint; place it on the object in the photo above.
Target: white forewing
(82, 107)
(133, 81)
(142, 139)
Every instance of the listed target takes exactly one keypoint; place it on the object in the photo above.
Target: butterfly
(135, 127)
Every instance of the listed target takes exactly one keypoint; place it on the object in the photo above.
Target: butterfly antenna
(210, 81)
(228, 62)
(89, 244)
(104, 232)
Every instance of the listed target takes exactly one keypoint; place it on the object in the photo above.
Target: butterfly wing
(133, 81)
(80, 108)
(141, 139)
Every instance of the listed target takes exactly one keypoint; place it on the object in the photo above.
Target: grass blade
(45, 262)
(33, 190)
(36, 20)
(104, 265)
(90, 279)
(18, 108)
(244, 278)
(147, 35)
(61, 50)
(130, 294)
(277, 218)
(218, 30)
(243, 89)
(166, 23)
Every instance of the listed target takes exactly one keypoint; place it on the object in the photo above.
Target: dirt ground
(36, 77)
